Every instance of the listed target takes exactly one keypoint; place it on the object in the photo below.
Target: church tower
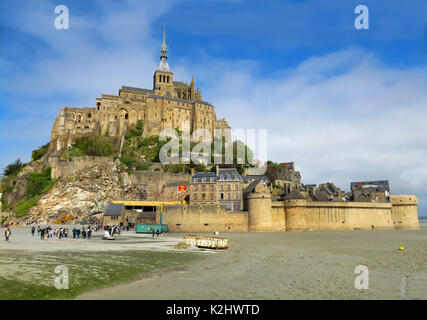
(163, 77)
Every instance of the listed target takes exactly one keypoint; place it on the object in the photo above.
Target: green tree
(13, 168)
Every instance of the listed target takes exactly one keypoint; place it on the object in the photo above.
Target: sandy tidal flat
(295, 265)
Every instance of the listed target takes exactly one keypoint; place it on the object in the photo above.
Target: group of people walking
(48, 232)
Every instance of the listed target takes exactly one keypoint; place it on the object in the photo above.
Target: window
(195, 188)
(195, 196)
(236, 187)
(228, 187)
(160, 78)
(222, 196)
(229, 195)
(236, 196)
(203, 196)
(167, 79)
(203, 187)
(211, 196)
(212, 187)
(222, 187)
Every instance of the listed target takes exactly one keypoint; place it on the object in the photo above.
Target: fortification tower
(259, 212)
(163, 76)
(405, 212)
(295, 207)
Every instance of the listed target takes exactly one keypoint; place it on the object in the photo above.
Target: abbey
(167, 105)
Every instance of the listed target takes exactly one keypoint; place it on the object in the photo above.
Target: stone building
(168, 104)
(225, 187)
(370, 191)
(288, 179)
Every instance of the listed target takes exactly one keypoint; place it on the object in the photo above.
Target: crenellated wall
(293, 215)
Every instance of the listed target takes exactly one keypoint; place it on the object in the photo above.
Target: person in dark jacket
(83, 233)
(33, 230)
(89, 232)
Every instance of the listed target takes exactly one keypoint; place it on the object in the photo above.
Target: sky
(343, 104)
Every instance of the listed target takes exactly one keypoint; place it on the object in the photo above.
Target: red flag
(182, 188)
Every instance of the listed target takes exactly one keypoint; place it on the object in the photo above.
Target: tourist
(60, 233)
(66, 232)
(89, 232)
(153, 232)
(83, 233)
(74, 232)
(157, 232)
(78, 233)
(41, 234)
(33, 230)
(7, 234)
(38, 231)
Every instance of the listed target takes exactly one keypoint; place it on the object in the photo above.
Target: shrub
(39, 183)
(129, 162)
(91, 146)
(143, 165)
(40, 152)
(23, 207)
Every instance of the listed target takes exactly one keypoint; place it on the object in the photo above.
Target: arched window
(168, 79)
(160, 78)
(89, 115)
(126, 116)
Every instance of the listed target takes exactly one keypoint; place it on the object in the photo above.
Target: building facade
(225, 187)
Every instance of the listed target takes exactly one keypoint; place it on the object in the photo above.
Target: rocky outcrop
(87, 192)
(84, 194)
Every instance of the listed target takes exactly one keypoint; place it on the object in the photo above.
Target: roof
(247, 178)
(133, 89)
(152, 95)
(383, 184)
(294, 195)
(114, 209)
(251, 186)
(229, 174)
(164, 66)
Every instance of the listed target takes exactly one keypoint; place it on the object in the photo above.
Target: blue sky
(344, 104)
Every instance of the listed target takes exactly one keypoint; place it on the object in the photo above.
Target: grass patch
(31, 276)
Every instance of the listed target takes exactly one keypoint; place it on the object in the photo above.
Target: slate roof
(294, 195)
(133, 89)
(383, 184)
(114, 209)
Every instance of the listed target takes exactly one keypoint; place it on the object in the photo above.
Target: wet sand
(294, 265)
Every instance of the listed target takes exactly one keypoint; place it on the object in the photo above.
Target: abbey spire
(163, 65)
(163, 53)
